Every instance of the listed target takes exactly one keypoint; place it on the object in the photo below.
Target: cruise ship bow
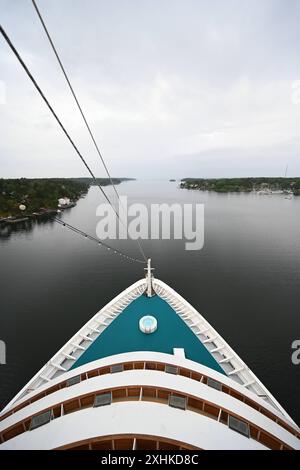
(146, 372)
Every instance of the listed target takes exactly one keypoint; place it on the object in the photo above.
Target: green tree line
(37, 193)
(225, 185)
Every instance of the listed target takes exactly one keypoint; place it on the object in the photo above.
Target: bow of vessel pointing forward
(146, 372)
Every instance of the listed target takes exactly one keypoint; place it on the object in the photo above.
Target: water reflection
(24, 226)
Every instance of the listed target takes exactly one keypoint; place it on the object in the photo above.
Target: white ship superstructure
(146, 372)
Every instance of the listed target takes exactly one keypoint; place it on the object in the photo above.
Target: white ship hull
(146, 399)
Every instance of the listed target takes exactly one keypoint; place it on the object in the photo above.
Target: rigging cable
(4, 34)
(50, 107)
(80, 110)
(73, 93)
(94, 239)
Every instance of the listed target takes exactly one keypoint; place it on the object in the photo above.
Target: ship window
(150, 366)
(73, 380)
(40, 420)
(224, 417)
(134, 392)
(116, 368)
(214, 384)
(177, 402)
(185, 373)
(102, 400)
(239, 426)
(171, 369)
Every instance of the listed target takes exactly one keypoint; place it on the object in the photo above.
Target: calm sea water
(245, 281)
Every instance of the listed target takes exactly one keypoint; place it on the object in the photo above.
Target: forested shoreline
(225, 185)
(36, 194)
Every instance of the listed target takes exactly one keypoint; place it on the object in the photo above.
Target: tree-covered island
(226, 185)
(42, 193)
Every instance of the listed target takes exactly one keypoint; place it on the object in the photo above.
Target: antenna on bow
(149, 277)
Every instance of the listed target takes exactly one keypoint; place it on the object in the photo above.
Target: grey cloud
(157, 79)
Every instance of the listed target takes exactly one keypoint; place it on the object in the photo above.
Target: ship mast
(149, 277)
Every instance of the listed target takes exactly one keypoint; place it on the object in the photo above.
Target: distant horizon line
(146, 178)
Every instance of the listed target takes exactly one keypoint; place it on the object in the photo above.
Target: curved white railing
(155, 379)
(152, 419)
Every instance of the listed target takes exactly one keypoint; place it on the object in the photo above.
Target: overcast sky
(171, 88)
